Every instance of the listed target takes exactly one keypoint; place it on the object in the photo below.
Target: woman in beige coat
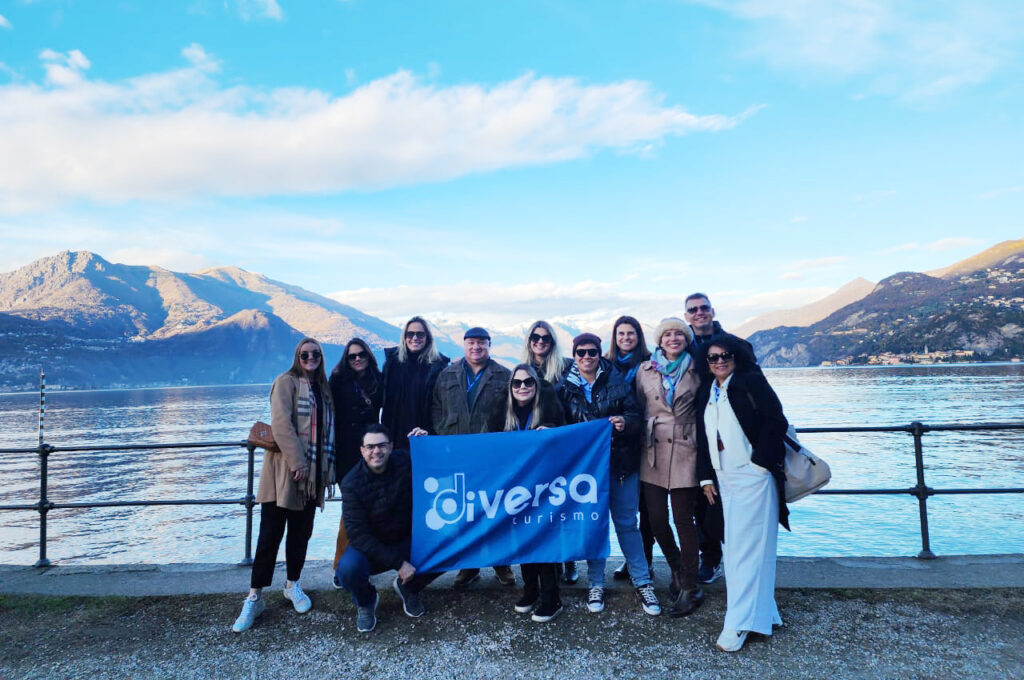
(666, 387)
(294, 480)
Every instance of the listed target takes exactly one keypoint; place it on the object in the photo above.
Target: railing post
(921, 491)
(250, 501)
(44, 453)
(44, 504)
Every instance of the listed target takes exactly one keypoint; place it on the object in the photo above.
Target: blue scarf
(624, 365)
(670, 372)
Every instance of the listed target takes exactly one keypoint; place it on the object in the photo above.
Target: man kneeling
(377, 510)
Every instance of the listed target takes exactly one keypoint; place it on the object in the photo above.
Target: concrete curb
(142, 580)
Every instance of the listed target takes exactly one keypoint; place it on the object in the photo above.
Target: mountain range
(971, 310)
(92, 323)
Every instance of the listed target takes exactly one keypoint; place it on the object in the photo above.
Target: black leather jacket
(611, 396)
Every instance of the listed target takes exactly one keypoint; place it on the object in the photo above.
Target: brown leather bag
(262, 437)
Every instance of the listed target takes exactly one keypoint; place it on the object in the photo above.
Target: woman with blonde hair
(410, 373)
(542, 353)
(295, 479)
(528, 407)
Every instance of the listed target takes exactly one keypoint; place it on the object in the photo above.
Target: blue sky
(501, 161)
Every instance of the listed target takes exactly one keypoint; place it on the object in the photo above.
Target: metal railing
(920, 490)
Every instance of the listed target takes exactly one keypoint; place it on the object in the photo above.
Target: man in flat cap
(466, 393)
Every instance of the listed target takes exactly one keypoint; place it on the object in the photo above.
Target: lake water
(822, 525)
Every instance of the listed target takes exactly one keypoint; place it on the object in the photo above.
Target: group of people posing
(696, 430)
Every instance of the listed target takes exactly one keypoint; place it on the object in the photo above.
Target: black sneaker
(648, 600)
(547, 611)
(411, 602)
(527, 603)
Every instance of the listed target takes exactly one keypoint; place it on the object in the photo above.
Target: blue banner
(510, 497)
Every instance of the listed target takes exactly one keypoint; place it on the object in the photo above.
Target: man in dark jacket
(699, 313)
(593, 390)
(466, 394)
(377, 511)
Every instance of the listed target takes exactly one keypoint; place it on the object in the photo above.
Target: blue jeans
(355, 569)
(623, 503)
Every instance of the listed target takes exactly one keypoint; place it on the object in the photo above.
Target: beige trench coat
(276, 483)
(670, 446)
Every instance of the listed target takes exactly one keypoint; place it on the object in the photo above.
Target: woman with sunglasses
(666, 387)
(410, 373)
(740, 430)
(530, 407)
(295, 479)
(542, 353)
(357, 388)
(628, 350)
(593, 390)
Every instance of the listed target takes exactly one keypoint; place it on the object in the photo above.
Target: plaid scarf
(308, 428)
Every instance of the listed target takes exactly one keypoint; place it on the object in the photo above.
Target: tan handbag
(262, 437)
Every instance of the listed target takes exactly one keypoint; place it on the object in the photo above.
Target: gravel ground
(837, 633)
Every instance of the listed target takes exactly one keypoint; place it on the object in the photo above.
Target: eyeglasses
(714, 358)
(354, 356)
(591, 352)
(415, 335)
(314, 355)
(698, 308)
(383, 446)
(540, 339)
(525, 382)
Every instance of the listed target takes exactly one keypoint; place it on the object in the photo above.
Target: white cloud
(180, 134)
(198, 57)
(791, 276)
(5, 23)
(941, 245)
(915, 49)
(64, 69)
(588, 305)
(819, 262)
(260, 9)
(995, 193)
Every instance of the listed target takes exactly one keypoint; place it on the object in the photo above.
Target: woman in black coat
(740, 430)
(410, 373)
(357, 389)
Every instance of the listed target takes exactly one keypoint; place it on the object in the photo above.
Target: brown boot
(465, 577)
(505, 576)
(687, 602)
(675, 585)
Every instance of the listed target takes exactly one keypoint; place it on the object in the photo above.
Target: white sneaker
(299, 599)
(252, 606)
(595, 600)
(731, 640)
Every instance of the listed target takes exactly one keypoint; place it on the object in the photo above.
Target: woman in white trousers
(740, 429)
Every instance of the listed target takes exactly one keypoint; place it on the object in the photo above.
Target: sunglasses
(383, 446)
(525, 382)
(540, 339)
(698, 308)
(353, 356)
(714, 358)
(587, 352)
(314, 355)
(415, 335)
